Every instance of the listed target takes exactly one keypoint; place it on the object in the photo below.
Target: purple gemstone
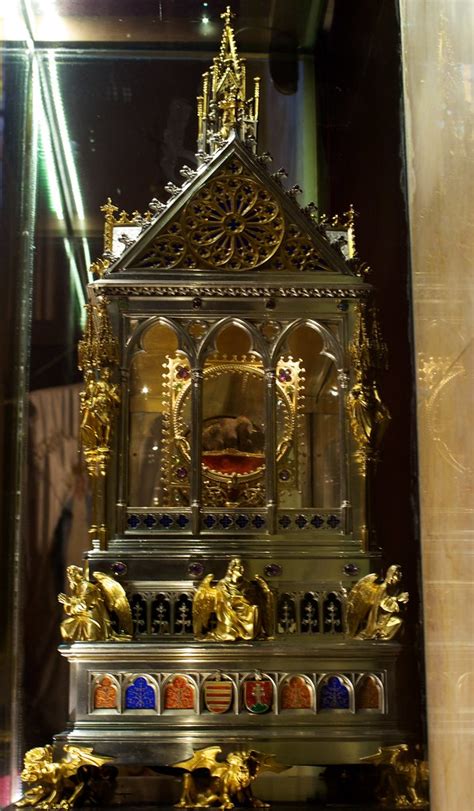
(272, 570)
(350, 568)
(196, 569)
(284, 475)
(284, 375)
(182, 373)
(119, 568)
(181, 472)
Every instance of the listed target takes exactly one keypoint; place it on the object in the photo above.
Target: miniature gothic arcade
(231, 424)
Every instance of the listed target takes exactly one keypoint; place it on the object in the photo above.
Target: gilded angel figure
(89, 608)
(373, 609)
(234, 608)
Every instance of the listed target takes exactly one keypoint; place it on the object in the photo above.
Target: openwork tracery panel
(233, 223)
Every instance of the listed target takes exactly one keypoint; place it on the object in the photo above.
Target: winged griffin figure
(90, 608)
(224, 783)
(59, 784)
(235, 608)
(403, 777)
(373, 606)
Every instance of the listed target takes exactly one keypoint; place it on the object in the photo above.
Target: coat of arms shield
(218, 695)
(258, 695)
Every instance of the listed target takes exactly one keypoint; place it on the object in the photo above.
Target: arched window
(147, 418)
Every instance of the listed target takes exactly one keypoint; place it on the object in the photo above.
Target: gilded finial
(109, 210)
(227, 16)
(222, 106)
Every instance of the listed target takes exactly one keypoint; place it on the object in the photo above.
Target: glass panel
(233, 419)
(309, 472)
(148, 408)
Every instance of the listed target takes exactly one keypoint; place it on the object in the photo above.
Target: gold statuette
(60, 784)
(90, 607)
(98, 360)
(374, 606)
(368, 416)
(224, 784)
(403, 777)
(234, 608)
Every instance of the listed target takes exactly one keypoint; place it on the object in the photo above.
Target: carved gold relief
(374, 606)
(234, 608)
(62, 783)
(368, 416)
(98, 357)
(402, 776)
(223, 784)
(90, 606)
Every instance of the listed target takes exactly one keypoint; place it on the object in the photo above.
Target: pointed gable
(230, 215)
(233, 216)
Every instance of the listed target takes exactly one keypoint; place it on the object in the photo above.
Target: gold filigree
(403, 776)
(223, 784)
(233, 291)
(234, 608)
(109, 221)
(298, 252)
(368, 416)
(217, 494)
(59, 784)
(233, 223)
(223, 105)
(100, 266)
(373, 607)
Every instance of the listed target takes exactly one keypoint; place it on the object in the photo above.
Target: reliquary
(231, 424)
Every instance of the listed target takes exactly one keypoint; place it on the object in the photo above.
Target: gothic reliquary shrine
(231, 426)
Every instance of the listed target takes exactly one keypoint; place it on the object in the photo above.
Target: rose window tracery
(233, 223)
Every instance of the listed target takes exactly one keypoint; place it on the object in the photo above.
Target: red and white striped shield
(218, 695)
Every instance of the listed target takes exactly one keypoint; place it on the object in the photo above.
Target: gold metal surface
(90, 606)
(227, 783)
(234, 608)
(223, 105)
(234, 222)
(368, 416)
(98, 357)
(373, 607)
(58, 784)
(403, 776)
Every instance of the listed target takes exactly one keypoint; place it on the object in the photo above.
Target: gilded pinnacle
(223, 107)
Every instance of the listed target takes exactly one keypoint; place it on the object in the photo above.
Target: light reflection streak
(62, 180)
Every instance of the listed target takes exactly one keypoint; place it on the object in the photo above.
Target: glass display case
(231, 409)
(231, 425)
